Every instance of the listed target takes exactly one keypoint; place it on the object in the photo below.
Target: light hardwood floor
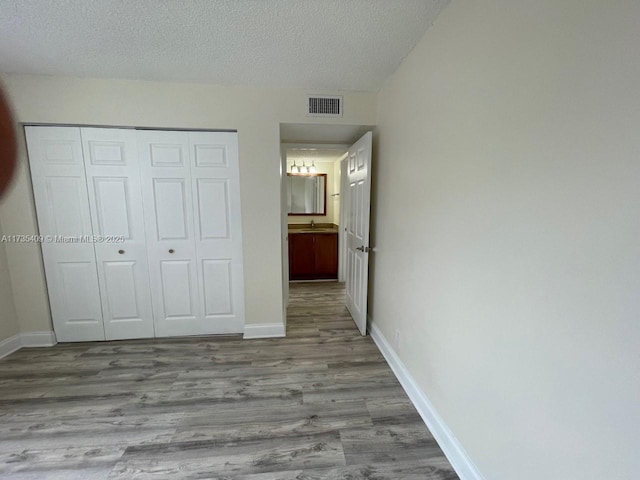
(319, 404)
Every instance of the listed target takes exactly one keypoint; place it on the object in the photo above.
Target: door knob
(171, 250)
(364, 249)
(360, 248)
(120, 252)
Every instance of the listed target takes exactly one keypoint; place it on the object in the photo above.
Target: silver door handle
(364, 249)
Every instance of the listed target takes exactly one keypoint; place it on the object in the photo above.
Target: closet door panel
(112, 206)
(177, 288)
(64, 220)
(215, 181)
(115, 195)
(65, 197)
(217, 286)
(214, 202)
(169, 217)
(170, 209)
(123, 292)
(76, 284)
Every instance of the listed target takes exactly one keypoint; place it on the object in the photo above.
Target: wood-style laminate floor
(319, 404)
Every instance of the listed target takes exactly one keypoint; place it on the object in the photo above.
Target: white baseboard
(38, 339)
(449, 444)
(10, 345)
(264, 330)
(28, 339)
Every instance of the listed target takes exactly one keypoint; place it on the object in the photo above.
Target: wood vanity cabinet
(313, 256)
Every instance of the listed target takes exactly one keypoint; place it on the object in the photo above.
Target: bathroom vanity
(313, 252)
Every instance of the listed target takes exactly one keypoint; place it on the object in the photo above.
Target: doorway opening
(325, 188)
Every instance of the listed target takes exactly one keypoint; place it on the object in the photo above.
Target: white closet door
(215, 183)
(115, 199)
(168, 204)
(60, 192)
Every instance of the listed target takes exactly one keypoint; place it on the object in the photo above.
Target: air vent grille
(324, 106)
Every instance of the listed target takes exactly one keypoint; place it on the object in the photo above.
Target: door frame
(342, 227)
(298, 143)
(284, 232)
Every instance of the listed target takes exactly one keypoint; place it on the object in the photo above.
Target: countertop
(295, 229)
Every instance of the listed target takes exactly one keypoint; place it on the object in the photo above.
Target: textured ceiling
(321, 44)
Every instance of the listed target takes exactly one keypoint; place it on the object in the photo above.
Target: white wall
(24, 260)
(507, 232)
(255, 113)
(8, 316)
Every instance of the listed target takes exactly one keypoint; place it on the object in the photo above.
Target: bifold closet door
(60, 191)
(191, 196)
(115, 199)
(168, 203)
(141, 229)
(215, 180)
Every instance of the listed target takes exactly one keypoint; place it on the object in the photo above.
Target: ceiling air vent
(324, 106)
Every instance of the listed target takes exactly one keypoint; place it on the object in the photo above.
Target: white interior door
(215, 180)
(115, 199)
(168, 206)
(60, 191)
(358, 208)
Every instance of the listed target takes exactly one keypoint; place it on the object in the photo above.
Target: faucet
(313, 224)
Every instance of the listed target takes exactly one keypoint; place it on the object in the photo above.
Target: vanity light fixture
(304, 168)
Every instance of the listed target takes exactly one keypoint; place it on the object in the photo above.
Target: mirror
(307, 194)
